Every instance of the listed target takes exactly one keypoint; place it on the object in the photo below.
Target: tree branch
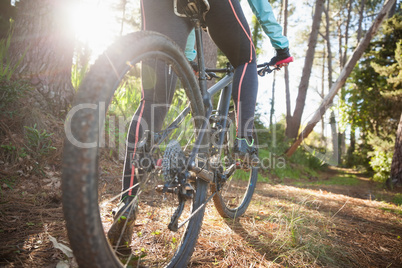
(342, 77)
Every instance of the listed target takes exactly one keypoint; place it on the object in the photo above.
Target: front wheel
(141, 68)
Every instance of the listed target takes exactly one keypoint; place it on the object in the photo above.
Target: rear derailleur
(176, 177)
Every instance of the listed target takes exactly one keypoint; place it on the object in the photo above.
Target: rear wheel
(115, 86)
(236, 191)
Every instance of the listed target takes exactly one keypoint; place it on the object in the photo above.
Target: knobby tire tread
(219, 202)
(80, 165)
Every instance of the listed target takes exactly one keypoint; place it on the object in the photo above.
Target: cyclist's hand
(281, 59)
(280, 65)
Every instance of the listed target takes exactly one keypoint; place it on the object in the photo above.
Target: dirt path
(319, 222)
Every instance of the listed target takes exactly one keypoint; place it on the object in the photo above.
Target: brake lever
(266, 69)
(211, 75)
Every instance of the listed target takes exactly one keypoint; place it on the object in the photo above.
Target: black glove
(281, 54)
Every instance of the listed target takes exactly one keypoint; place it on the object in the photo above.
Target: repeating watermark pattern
(185, 133)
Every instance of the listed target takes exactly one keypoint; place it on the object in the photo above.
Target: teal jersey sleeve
(263, 11)
(190, 52)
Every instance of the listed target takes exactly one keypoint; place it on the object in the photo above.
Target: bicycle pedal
(188, 187)
(187, 191)
(238, 165)
(159, 188)
(244, 166)
(158, 165)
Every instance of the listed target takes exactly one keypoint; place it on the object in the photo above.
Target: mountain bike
(182, 166)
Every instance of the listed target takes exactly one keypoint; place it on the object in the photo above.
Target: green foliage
(10, 153)
(274, 144)
(397, 199)
(121, 109)
(11, 91)
(39, 142)
(306, 159)
(381, 155)
(381, 164)
(221, 60)
(7, 68)
(7, 12)
(273, 138)
(373, 99)
(393, 72)
(346, 180)
(126, 98)
(390, 209)
(359, 159)
(287, 172)
(80, 67)
(6, 182)
(257, 35)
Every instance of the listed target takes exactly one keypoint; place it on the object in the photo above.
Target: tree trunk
(41, 30)
(334, 135)
(340, 45)
(396, 166)
(123, 15)
(342, 77)
(360, 30)
(352, 147)
(345, 52)
(392, 11)
(322, 95)
(271, 114)
(342, 135)
(287, 87)
(293, 123)
(328, 42)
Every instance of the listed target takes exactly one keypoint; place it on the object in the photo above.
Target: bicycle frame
(225, 87)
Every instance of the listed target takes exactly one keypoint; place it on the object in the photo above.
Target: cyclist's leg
(157, 16)
(230, 31)
(149, 116)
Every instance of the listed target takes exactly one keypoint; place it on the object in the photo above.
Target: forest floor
(337, 219)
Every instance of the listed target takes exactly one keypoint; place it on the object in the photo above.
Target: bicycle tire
(81, 176)
(235, 196)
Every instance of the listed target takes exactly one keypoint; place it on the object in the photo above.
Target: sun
(94, 24)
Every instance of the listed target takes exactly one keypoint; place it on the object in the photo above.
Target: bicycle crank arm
(202, 173)
(174, 222)
(229, 171)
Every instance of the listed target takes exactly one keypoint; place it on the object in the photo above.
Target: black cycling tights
(229, 30)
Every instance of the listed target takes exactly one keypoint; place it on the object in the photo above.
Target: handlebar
(265, 69)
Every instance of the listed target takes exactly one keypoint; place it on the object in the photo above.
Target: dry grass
(273, 233)
(292, 227)
(285, 226)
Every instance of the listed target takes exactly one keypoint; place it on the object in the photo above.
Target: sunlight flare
(94, 24)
